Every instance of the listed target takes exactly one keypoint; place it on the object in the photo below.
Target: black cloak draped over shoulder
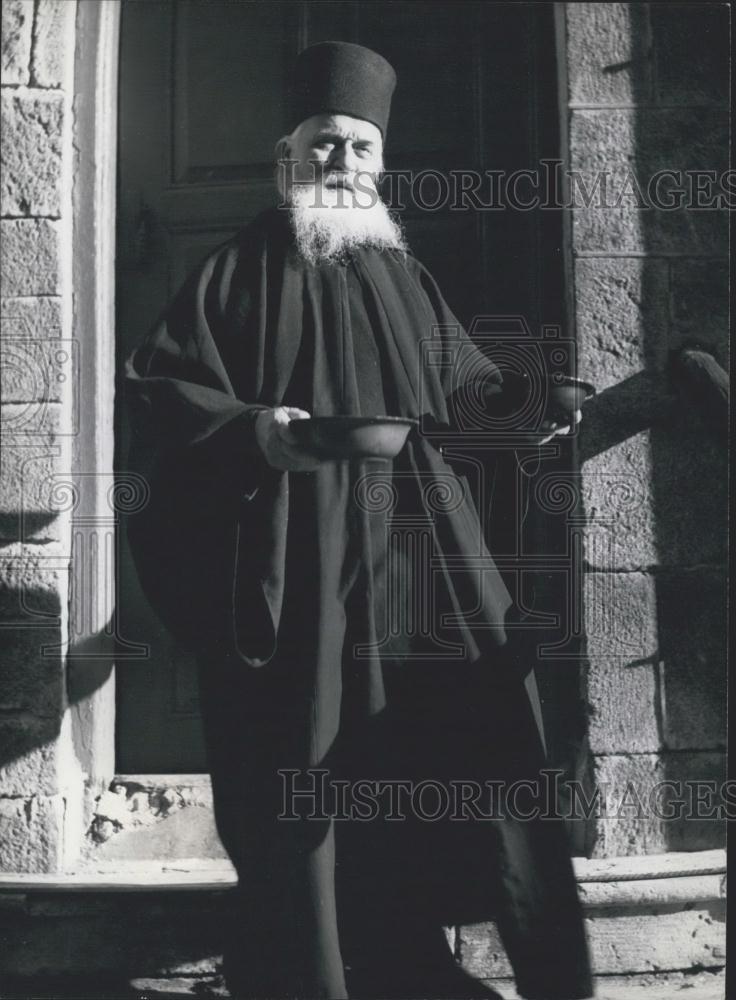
(327, 591)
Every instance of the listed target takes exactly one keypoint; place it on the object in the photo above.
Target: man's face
(336, 151)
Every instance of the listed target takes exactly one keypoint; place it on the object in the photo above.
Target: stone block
(35, 422)
(624, 708)
(607, 58)
(639, 939)
(623, 203)
(30, 318)
(691, 49)
(17, 27)
(135, 821)
(36, 371)
(616, 495)
(29, 755)
(661, 939)
(689, 491)
(644, 816)
(33, 585)
(31, 834)
(31, 675)
(623, 678)
(657, 498)
(29, 257)
(481, 952)
(624, 409)
(621, 617)
(53, 44)
(692, 623)
(36, 487)
(30, 180)
(621, 317)
(34, 590)
(699, 304)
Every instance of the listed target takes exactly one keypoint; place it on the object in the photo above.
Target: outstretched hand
(277, 442)
(550, 429)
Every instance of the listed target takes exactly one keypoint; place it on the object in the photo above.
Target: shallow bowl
(566, 394)
(353, 437)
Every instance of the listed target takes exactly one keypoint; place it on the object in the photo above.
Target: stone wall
(647, 92)
(40, 779)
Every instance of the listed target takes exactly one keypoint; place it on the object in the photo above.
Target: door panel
(221, 75)
(203, 98)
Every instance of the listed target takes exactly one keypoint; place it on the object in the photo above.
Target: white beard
(329, 222)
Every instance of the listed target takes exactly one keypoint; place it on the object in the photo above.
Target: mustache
(338, 180)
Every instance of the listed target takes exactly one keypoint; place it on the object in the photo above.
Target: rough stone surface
(30, 182)
(621, 318)
(658, 940)
(190, 832)
(34, 581)
(212, 986)
(53, 43)
(135, 822)
(692, 619)
(623, 410)
(621, 617)
(30, 318)
(17, 26)
(36, 488)
(607, 54)
(29, 755)
(658, 498)
(30, 835)
(629, 148)
(36, 423)
(657, 649)
(36, 371)
(29, 257)
(481, 952)
(691, 51)
(33, 585)
(700, 306)
(31, 681)
(699, 985)
(636, 819)
(652, 941)
(621, 529)
(623, 678)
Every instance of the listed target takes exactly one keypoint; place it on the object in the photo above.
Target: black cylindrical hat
(342, 78)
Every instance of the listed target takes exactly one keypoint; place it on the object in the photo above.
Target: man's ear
(282, 150)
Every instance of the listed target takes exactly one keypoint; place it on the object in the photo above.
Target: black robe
(350, 618)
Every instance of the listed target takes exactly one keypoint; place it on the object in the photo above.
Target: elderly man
(296, 577)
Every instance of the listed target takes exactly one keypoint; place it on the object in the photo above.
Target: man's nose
(344, 158)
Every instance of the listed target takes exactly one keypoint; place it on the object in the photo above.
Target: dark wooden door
(202, 102)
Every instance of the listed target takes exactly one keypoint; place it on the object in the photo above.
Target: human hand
(550, 429)
(277, 442)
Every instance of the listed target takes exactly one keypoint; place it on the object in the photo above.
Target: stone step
(665, 986)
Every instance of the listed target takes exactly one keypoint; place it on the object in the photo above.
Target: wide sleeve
(180, 395)
(193, 445)
(470, 378)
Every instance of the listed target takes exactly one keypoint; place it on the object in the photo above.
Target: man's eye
(323, 144)
(363, 150)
